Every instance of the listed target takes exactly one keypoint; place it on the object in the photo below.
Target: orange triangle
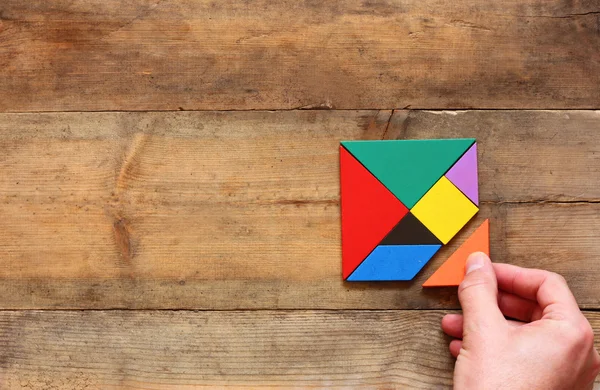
(452, 272)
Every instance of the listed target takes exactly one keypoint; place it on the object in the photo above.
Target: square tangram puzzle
(401, 201)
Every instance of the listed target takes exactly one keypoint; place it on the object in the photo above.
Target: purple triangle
(464, 174)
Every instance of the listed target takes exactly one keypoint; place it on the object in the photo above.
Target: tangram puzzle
(401, 201)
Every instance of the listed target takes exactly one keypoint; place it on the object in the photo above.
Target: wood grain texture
(234, 210)
(192, 54)
(179, 350)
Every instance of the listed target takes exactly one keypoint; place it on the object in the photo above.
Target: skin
(547, 343)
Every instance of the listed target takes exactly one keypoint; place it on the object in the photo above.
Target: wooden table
(169, 192)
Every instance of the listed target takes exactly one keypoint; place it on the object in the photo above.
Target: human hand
(549, 347)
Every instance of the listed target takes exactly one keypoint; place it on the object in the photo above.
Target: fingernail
(475, 261)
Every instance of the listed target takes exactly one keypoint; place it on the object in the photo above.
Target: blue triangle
(393, 262)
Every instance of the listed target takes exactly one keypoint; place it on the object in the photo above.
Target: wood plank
(254, 256)
(238, 156)
(120, 349)
(199, 54)
(224, 211)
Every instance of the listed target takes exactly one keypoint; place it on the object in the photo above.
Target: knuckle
(470, 283)
(557, 278)
(580, 335)
(586, 333)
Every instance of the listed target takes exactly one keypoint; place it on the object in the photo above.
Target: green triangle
(409, 168)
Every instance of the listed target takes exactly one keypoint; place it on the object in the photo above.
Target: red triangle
(369, 212)
(452, 272)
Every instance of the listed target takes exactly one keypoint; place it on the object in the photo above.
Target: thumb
(478, 295)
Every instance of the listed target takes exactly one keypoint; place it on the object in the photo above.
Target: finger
(478, 295)
(548, 289)
(452, 325)
(518, 308)
(455, 346)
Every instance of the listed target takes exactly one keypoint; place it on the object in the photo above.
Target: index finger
(546, 288)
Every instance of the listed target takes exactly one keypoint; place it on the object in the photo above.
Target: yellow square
(444, 210)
